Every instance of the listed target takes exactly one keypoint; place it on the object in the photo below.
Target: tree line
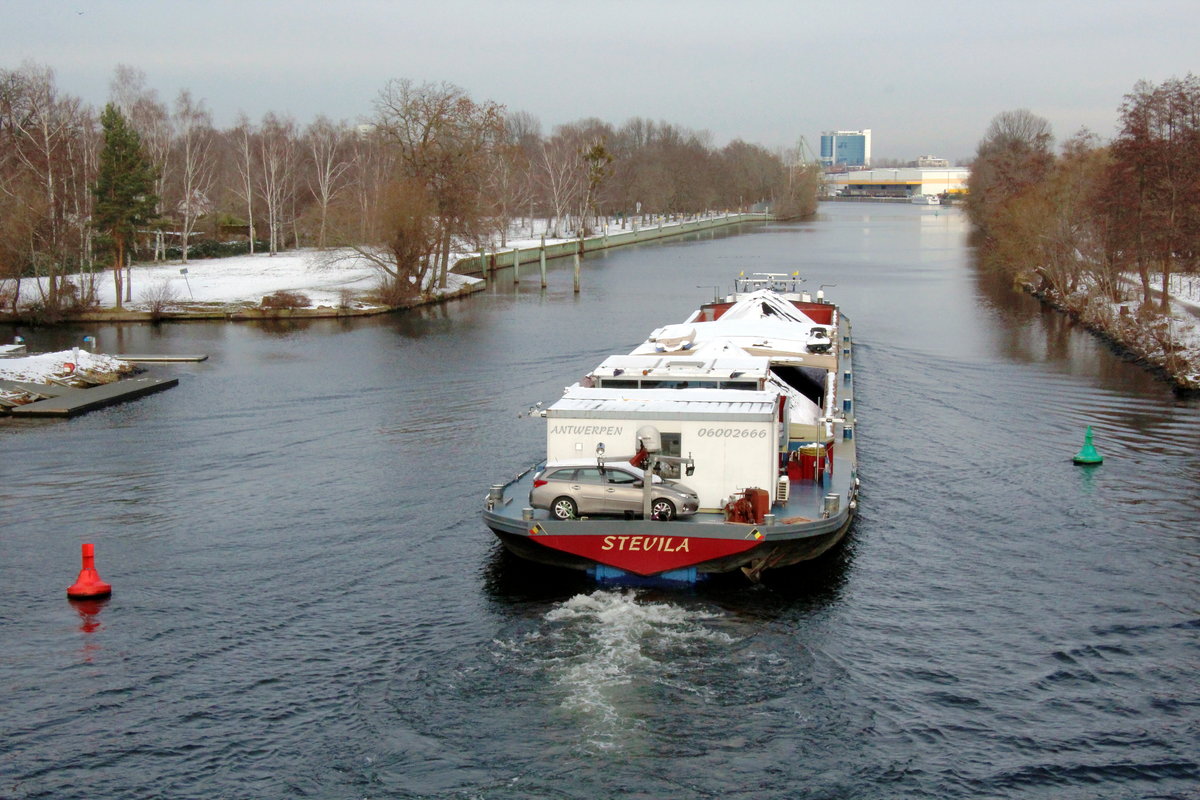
(430, 171)
(1092, 213)
(1097, 225)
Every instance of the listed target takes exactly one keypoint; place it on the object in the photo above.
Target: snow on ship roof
(764, 304)
(719, 365)
(710, 404)
(761, 320)
(740, 337)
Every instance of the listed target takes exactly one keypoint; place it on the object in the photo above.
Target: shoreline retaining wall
(530, 256)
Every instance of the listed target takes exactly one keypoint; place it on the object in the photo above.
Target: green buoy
(1088, 455)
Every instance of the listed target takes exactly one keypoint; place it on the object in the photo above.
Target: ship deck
(805, 503)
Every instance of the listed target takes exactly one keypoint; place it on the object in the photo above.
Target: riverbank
(313, 284)
(302, 284)
(1167, 344)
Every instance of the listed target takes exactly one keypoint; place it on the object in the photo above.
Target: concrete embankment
(530, 257)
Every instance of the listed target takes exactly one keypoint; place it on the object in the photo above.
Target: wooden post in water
(577, 271)
(543, 256)
(516, 265)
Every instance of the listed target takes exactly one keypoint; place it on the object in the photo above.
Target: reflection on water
(89, 613)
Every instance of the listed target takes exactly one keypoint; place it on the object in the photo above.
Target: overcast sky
(925, 77)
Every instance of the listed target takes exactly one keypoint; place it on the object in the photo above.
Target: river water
(306, 603)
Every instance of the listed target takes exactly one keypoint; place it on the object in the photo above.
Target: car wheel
(563, 508)
(663, 509)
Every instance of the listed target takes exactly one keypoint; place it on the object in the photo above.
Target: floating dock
(61, 401)
(155, 359)
(41, 390)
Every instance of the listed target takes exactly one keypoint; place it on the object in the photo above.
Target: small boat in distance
(722, 443)
(925, 200)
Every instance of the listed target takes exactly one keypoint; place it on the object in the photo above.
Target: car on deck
(571, 489)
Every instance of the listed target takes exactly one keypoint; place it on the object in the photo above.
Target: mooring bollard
(543, 258)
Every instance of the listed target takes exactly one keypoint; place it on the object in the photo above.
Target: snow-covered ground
(1185, 289)
(326, 278)
(43, 366)
(240, 280)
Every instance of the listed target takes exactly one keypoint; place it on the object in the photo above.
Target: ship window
(671, 446)
(618, 383)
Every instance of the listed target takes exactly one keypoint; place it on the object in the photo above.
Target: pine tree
(124, 188)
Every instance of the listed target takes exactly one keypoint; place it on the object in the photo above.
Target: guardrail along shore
(529, 256)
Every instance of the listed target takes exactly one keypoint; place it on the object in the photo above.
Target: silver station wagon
(580, 488)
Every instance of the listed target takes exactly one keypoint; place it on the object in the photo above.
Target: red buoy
(88, 585)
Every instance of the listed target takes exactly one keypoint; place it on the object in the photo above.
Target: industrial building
(897, 183)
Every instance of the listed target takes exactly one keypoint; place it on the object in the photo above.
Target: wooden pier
(62, 401)
(157, 359)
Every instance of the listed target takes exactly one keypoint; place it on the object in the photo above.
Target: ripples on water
(306, 603)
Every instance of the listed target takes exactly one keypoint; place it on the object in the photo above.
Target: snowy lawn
(327, 278)
(242, 280)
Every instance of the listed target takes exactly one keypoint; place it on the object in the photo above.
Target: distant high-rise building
(846, 148)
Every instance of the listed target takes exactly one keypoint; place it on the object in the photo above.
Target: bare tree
(444, 141)
(329, 167)
(245, 144)
(561, 176)
(1014, 154)
(399, 237)
(277, 170)
(39, 127)
(374, 167)
(509, 181)
(22, 208)
(194, 142)
(750, 172)
(82, 156)
(1156, 170)
(523, 136)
